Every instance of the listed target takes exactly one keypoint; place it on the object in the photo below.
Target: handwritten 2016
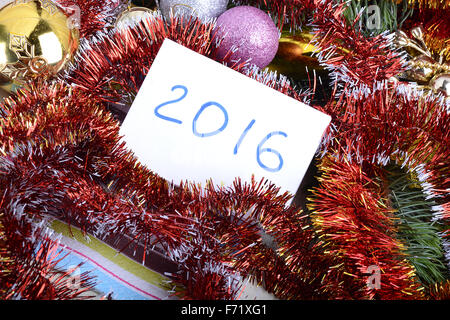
(259, 150)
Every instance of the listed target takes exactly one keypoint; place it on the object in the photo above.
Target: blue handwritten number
(244, 134)
(261, 150)
(199, 113)
(159, 115)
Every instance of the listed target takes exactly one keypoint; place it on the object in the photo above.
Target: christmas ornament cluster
(378, 197)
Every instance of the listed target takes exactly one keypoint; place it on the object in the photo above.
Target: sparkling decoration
(204, 10)
(434, 4)
(343, 201)
(247, 33)
(285, 12)
(141, 43)
(132, 16)
(37, 40)
(440, 291)
(137, 52)
(93, 15)
(423, 68)
(429, 66)
(296, 46)
(441, 83)
(295, 56)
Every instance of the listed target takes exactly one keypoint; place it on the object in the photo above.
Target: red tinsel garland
(94, 15)
(396, 123)
(359, 228)
(134, 49)
(28, 257)
(82, 174)
(285, 12)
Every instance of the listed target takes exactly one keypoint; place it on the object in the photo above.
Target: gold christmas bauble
(294, 57)
(441, 83)
(36, 40)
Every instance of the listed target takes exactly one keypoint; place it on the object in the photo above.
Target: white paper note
(196, 119)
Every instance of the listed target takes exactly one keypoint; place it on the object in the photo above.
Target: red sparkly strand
(94, 15)
(359, 229)
(135, 49)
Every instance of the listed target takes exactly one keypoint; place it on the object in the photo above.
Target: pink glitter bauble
(251, 31)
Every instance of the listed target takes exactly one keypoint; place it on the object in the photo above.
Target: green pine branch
(417, 229)
(392, 16)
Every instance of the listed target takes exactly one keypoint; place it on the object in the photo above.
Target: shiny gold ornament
(36, 40)
(431, 4)
(422, 68)
(429, 66)
(441, 83)
(132, 16)
(294, 56)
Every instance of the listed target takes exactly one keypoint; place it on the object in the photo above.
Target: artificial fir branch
(391, 19)
(417, 226)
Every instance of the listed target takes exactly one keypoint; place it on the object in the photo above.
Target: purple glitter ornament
(251, 31)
